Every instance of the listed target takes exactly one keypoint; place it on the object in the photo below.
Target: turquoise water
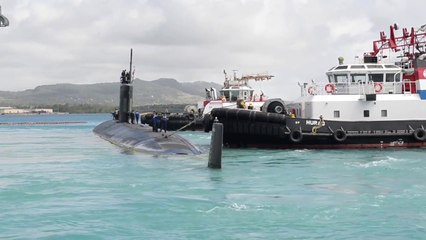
(64, 182)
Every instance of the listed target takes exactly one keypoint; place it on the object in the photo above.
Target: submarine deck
(143, 139)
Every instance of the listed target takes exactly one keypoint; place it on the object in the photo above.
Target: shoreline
(32, 114)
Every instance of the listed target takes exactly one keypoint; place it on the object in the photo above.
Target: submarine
(137, 137)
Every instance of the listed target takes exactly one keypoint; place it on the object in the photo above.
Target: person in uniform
(250, 106)
(164, 121)
(137, 115)
(132, 117)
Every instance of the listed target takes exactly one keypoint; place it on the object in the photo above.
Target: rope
(180, 129)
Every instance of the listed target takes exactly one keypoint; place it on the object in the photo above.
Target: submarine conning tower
(126, 93)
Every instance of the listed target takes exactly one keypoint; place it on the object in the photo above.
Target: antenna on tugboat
(395, 26)
(235, 74)
(422, 28)
(131, 61)
(226, 75)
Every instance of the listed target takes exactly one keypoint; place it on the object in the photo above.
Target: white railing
(359, 88)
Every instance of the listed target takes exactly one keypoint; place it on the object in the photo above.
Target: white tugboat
(236, 93)
(372, 104)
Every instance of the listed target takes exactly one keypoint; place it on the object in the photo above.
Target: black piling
(216, 143)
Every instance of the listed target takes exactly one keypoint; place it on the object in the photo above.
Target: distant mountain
(161, 91)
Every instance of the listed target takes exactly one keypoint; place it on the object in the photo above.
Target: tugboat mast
(410, 42)
(131, 61)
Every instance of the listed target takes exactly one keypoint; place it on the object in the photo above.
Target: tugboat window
(374, 66)
(384, 113)
(226, 94)
(341, 67)
(375, 77)
(389, 77)
(357, 67)
(358, 78)
(337, 114)
(245, 93)
(390, 66)
(341, 78)
(234, 95)
(366, 113)
(398, 77)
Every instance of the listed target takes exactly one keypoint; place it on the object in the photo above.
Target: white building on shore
(12, 110)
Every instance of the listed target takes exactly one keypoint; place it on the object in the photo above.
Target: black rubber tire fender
(276, 107)
(296, 136)
(339, 135)
(419, 134)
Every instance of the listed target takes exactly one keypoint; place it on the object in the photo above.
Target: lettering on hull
(312, 122)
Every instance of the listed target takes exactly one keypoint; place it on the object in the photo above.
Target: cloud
(88, 41)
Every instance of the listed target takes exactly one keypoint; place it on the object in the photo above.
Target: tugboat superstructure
(235, 89)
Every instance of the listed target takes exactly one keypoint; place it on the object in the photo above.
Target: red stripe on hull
(330, 146)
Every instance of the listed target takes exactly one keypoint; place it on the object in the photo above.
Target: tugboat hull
(244, 128)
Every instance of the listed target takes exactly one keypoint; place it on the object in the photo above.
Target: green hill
(161, 91)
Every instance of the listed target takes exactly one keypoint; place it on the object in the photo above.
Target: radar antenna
(410, 41)
(243, 80)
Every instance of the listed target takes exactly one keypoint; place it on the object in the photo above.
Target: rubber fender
(276, 118)
(419, 134)
(260, 117)
(296, 136)
(207, 123)
(243, 115)
(339, 135)
(274, 105)
(218, 112)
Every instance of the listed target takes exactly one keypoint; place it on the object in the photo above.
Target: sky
(88, 41)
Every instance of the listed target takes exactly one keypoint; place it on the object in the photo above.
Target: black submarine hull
(143, 139)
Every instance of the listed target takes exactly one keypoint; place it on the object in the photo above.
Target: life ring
(378, 87)
(329, 88)
(296, 136)
(339, 135)
(419, 134)
(311, 90)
